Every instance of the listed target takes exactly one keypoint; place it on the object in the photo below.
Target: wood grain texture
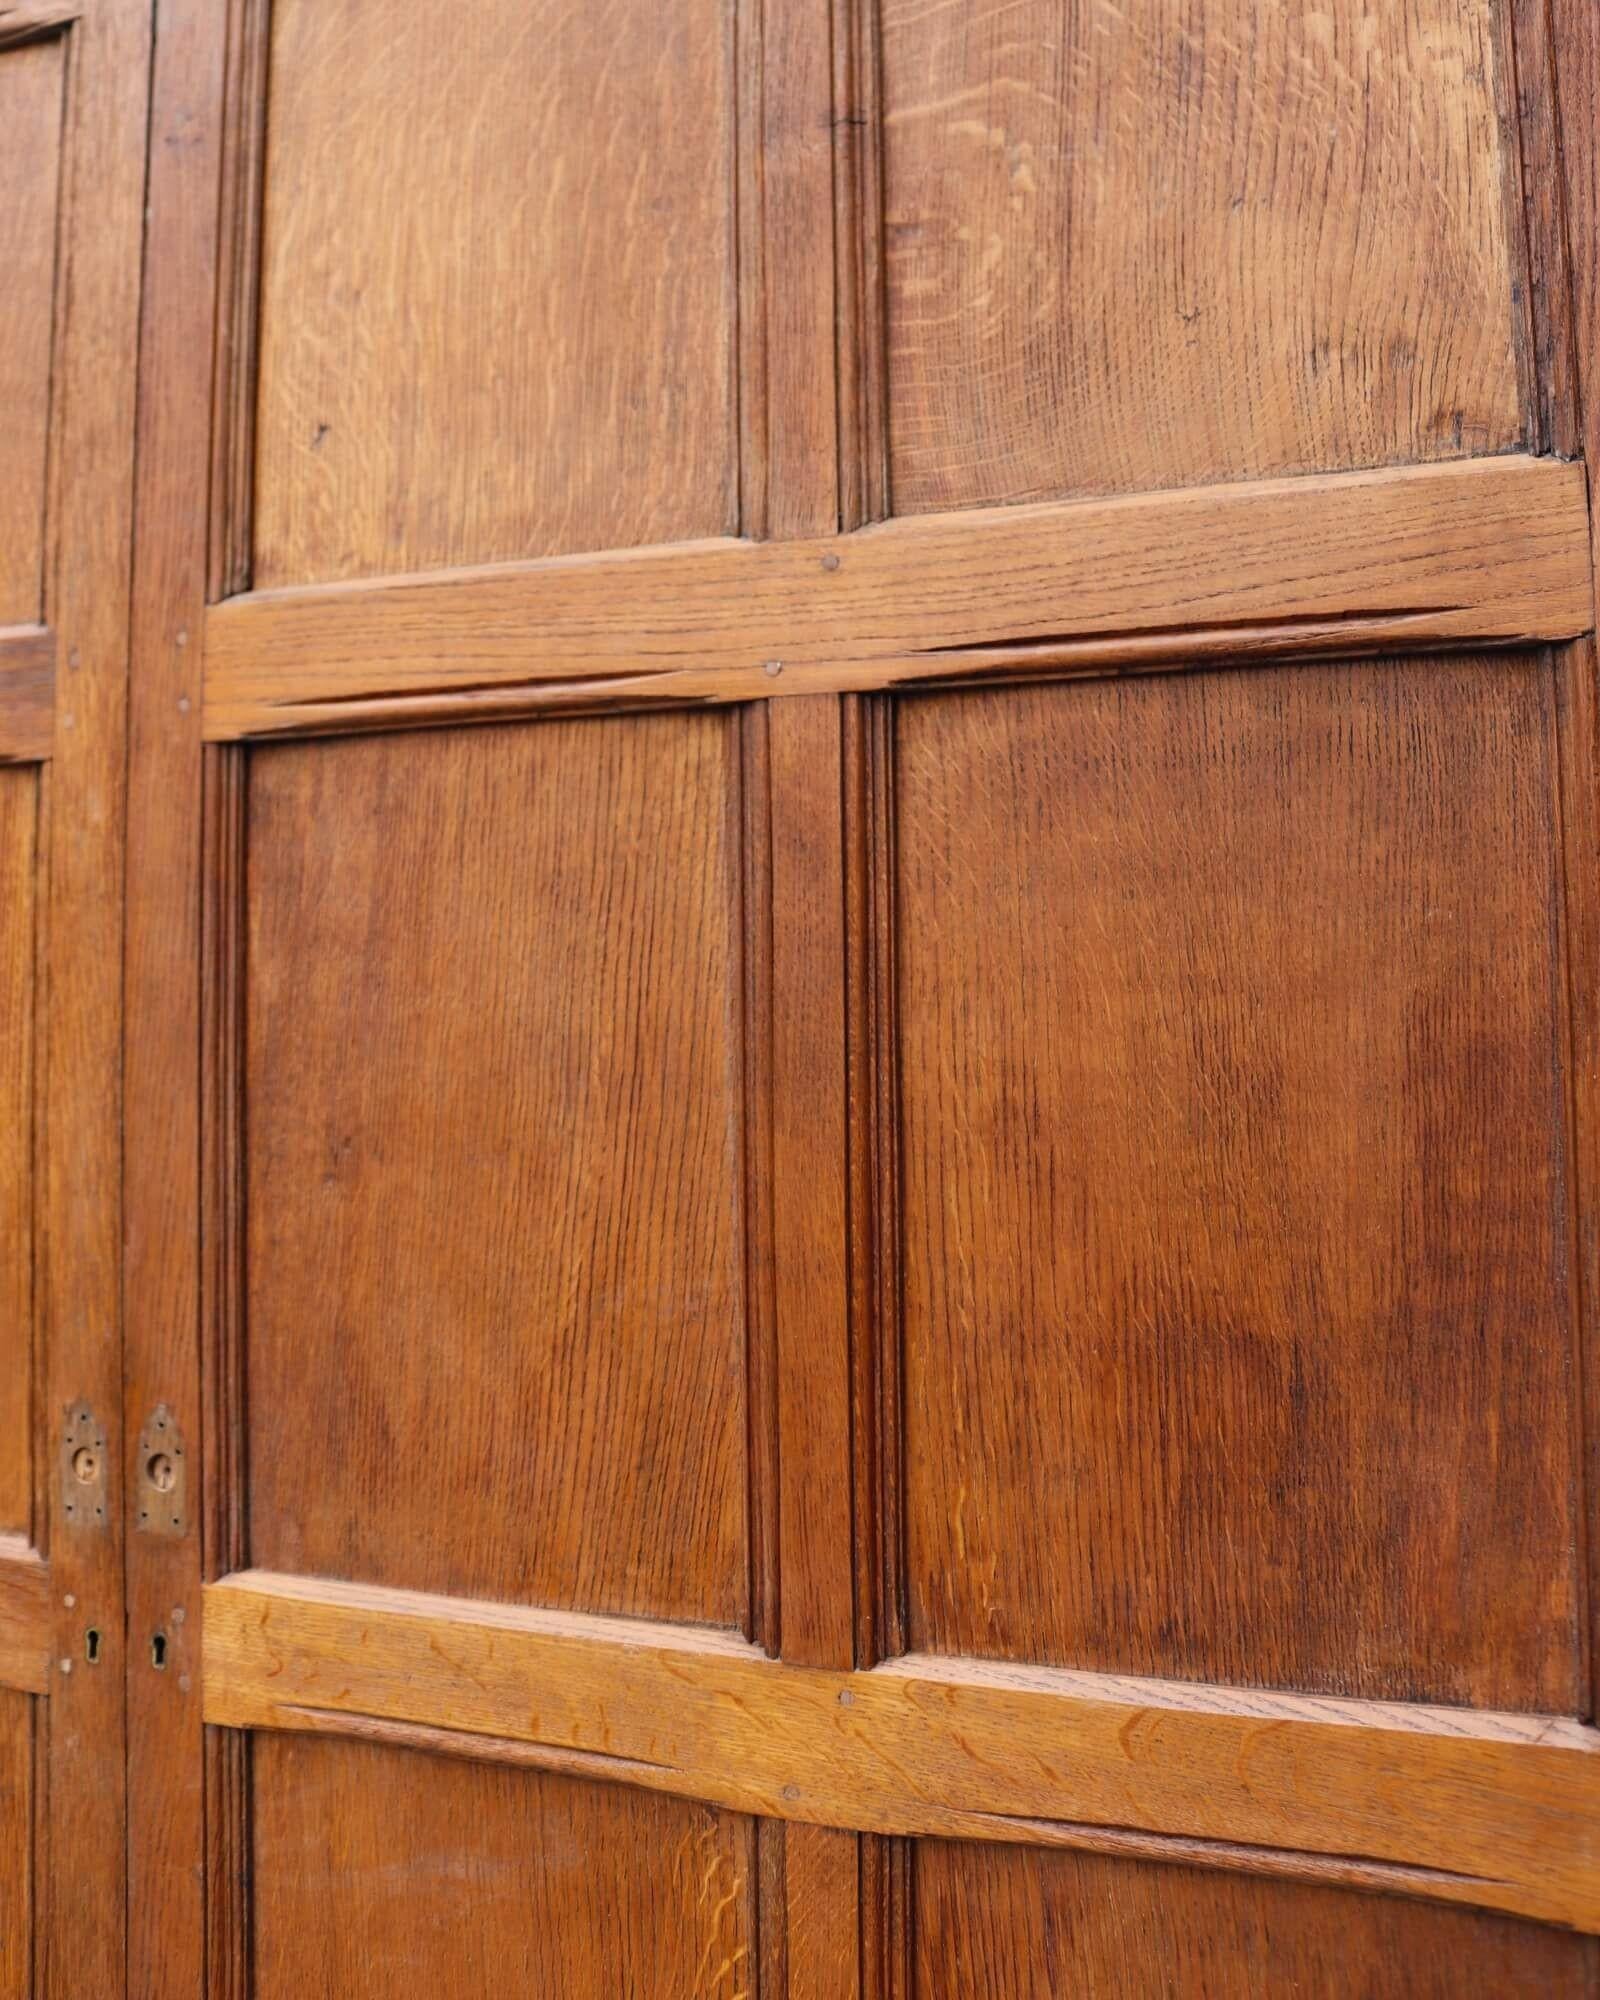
(16, 1846)
(497, 289)
(1236, 1266)
(81, 1758)
(1492, 550)
(380, 1872)
(1558, 66)
(808, 1172)
(1135, 247)
(27, 694)
(1012, 1923)
(167, 1852)
(24, 1618)
(30, 172)
(494, 1128)
(1501, 1811)
(19, 830)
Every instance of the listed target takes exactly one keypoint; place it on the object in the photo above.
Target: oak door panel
(1142, 246)
(1237, 1318)
(19, 796)
(1015, 1923)
(379, 1871)
(30, 167)
(16, 1846)
(496, 298)
(495, 1322)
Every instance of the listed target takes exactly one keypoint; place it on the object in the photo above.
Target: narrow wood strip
(808, 1168)
(1493, 551)
(823, 1941)
(27, 693)
(24, 1617)
(1492, 1810)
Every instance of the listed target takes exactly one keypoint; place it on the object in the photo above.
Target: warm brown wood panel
(24, 1617)
(1494, 550)
(1237, 1327)
(30, 166)
(496, 299)
(494, 1164)
(16, 1847)
(378, 1871)
(1140, 246)
(19, 813)
(1012, 1923)
(1498, 1810)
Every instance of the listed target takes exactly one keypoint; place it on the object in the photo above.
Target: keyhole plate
(163, 1480)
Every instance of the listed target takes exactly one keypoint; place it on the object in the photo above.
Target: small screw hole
(91, 1646)
(158, 1651)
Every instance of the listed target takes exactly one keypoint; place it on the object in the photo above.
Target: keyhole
(161, 1472)
(85, 1465)
(158, 1650)
(91, 1646)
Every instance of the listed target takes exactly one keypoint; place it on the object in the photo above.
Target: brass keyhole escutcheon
(161, 1472)
(85, 1465)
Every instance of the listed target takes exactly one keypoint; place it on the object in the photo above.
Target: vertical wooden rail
(166, 1846)
(799, 479)
(79, 1868)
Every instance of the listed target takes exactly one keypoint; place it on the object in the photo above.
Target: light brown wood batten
(1501, 1811)
(24, 1617)
(1492, 551)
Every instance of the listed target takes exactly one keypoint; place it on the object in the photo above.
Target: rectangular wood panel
(1493, 550)
(378, 1871)
(494, 1164)
(19, 809)
(16, 1847)
(1237, 1314)
(1143, 246)
(1495, 1810)
(1013, 1923)
(30, 168)
(496, 286)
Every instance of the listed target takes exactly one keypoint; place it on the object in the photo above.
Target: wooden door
(862, 969)
(72, 137)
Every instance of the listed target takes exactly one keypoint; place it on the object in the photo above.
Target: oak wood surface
(1462, 1806)
(1493, 550)
(25, 1621)
(31, 84)
(170, 1899)
(497, 286)
(543, 921)
(19, 828)
(1565, 228)
(1235, 1180)
(27, 694)
(81, 1825)
(1014, 1923)
(368, 1859)
(17, 1935)
(1132, 246)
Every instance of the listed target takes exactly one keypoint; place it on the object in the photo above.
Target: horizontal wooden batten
(24, 1617)
(1486, 551)
(27, 693)
(1499, 1811)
